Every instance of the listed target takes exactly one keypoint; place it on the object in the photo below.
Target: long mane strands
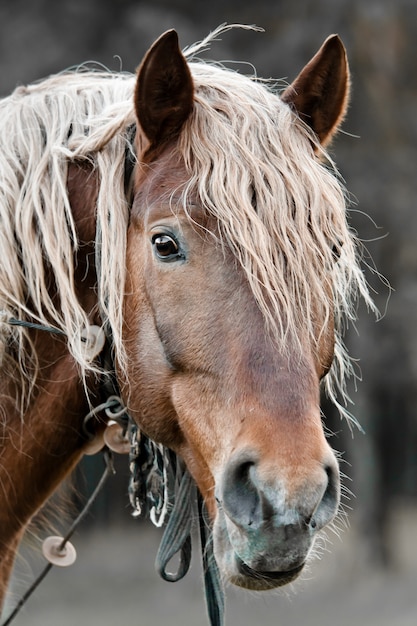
(69, 117)
(289, 231)
(283, 229)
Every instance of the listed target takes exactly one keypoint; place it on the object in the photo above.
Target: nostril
(331, 495)
(241, 499)
(329, 503)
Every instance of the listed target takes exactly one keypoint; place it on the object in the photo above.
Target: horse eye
(166, 247)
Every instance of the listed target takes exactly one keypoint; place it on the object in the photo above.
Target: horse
(188, 221)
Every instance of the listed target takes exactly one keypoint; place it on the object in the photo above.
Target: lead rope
(177, 533)
(213, 587)
(177, 540)
(156, 475)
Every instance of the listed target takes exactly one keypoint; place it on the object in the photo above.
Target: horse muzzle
(265, 528)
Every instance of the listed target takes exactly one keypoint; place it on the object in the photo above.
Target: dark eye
(166, 247)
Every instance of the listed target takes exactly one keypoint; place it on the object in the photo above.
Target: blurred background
(368, 575)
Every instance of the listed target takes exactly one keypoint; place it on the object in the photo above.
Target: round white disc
(61, 557)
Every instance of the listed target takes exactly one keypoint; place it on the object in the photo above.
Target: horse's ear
(164, 90)
(320, 93)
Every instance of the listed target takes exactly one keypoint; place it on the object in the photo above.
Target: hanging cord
(60, 548)
(177, 540)
(212, 581)
(14, 322)
(177, 533)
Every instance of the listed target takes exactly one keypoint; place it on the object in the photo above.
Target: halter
(158, 478)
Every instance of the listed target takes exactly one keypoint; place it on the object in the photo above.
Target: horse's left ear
(164, 90)
(320, 93)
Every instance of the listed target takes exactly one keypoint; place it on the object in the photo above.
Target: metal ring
(115, 402)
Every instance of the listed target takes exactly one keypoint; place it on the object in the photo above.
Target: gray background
(369, 577)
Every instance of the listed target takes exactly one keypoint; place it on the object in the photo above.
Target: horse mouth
(259, 580)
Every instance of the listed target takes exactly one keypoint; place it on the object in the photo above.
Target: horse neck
(39, 448)
(42, 443)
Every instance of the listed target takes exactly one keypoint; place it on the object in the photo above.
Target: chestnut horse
(193, 214)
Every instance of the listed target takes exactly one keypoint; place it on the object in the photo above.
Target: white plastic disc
(114, 439)
(94, 340)
(61, 557)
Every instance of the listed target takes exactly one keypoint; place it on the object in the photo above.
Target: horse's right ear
(164, 91)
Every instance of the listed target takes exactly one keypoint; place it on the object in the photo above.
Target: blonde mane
(239, 136)
(72, 116)
(289, 231)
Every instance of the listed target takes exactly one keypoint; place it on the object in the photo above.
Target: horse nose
(251, 502)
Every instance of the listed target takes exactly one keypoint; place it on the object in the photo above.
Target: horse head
(229, 300)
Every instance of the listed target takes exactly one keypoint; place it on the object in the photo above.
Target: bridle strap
(213, 587)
